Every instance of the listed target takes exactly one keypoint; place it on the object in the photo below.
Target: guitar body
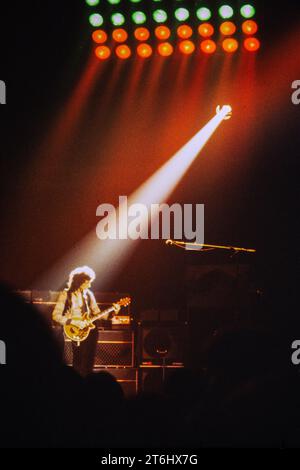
(76, 334)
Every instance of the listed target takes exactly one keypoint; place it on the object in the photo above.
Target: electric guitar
(77, 334)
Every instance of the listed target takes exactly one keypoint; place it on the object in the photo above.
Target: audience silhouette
(245, 395)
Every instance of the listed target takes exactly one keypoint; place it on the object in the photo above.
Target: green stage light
(96, 20)
(182, 14)
(247, 11)
(203, 14)
(160, 16)
(139, 17)
(117, 19)
(92, 3)
(114, 2)
(226, 12)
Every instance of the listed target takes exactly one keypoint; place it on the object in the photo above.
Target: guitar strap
(87, 304)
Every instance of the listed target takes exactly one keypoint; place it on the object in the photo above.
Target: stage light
(248, 11)
(139, 17)
(187, 47)
(203, 14)
(165, 49)
(250, 27)
(206, 30)
(160, 16)
(162, 32)
(184, 31)
(252, 44)
(182, 14)
(120, 35)
(142, 34)
(96, 20)
(144, 50)
(92, 3)
(152, 22)
(228, 28)
(226, 111)
(230, 45)
(208, 46)
(123, 52)
(99, 36)
(226, 12)
(117, 19)
(103, 52)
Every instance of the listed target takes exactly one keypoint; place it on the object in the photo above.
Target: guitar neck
(102, 314)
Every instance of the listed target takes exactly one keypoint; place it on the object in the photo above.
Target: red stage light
(99, 36)
(184, 31)
(165, 49)
(228, 28)
(142, 34)
(103, 52)
(187, 47)
(162, 32)
(206, 30)
(208, 46)
(230, 45)
(144, 50)
(252, 44)
(250, 27)
(123, 52)
(120, 35)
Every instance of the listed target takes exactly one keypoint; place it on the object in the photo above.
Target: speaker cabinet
(162, 344)
(152, 379)
(217, 299)
(68, 353)
(127, 378)
(216, 286)
(115, 348)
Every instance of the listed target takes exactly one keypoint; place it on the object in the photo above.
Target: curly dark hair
(78, 276)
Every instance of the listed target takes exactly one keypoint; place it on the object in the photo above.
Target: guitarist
(77, 300)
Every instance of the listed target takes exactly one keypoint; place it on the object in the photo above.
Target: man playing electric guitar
(76, 307)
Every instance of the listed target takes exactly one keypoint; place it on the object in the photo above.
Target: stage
(149, 239)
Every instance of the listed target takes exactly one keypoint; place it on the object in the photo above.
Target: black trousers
(84, 355)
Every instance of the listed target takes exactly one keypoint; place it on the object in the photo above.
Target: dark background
(249, 184)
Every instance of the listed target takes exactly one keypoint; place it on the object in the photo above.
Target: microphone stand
(202, 246)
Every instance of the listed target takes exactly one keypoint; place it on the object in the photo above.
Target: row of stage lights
(184, 32)
(186, 46)
(117, 18)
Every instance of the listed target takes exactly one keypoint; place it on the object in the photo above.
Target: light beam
(108, 257)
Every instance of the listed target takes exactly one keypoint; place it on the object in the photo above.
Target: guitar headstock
(124, 302)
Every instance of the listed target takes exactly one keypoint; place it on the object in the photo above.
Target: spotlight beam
(108, 257)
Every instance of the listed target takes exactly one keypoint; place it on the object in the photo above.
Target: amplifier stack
(140, 355)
